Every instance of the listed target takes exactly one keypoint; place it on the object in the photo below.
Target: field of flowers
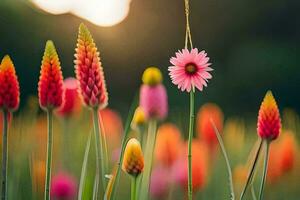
(67, 143)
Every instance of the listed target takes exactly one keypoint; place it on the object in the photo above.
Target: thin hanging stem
(4, 155)
(49, 154)
(251, 172)
(263, 180)
(232, 196)
(133, 188)
(99, 153)
(188, 35)
(191, 133)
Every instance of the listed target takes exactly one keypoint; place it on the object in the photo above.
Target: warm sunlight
(99, 12)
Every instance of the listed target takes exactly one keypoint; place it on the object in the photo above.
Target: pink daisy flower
(190, 69)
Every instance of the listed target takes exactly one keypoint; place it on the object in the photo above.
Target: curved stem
(263, 180)
(4, 155)
(133, 188)
(191, 131)
(99, 154)
(226, 159)
(49, 154)
(251, 172)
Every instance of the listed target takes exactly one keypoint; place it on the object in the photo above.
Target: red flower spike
(50, 85)
(89, 71)
(9, 90)
(269, 122)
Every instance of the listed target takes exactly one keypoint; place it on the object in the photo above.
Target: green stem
(133, 188)
(232, 196)
(124, 142)
(84, 167)
(99, 154)
(263, 180)
(4, 155)
(149, 149)
(191, 133)
(49, 154)
(250, 175)
(104, 146)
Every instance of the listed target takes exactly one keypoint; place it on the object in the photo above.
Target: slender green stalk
(49, 154)
(124, 142)
(150, 145)
(104, 146)
(251, 172)
(263, 180)
(4, 155)
(83, 169)
(191, 134)
(232, 196)
(253, 192)
(99, 154)
(133, 188)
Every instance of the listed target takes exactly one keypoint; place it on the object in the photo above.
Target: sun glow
(99, 12)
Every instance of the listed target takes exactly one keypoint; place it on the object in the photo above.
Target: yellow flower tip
(139, 118)
(133, 160)
(50, 50)
(7, 63)
(85, 33)
(152, 76)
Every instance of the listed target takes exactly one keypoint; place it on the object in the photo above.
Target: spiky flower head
(133, 160)
(89, 71)
(269, 122)
(152, 76)
(50, 86)
(9, 85)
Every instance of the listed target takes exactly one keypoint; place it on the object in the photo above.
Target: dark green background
(253, 45)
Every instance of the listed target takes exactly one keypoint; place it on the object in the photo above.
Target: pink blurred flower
(159, 184)
(190, 69)
(63, 187)
(154, 101)
(71, 103)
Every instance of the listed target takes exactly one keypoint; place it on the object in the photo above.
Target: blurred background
(253, 47)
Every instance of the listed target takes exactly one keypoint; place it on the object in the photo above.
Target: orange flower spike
(168, 144)
(9, 91)
(89, 71)
(50, 87)
(133, 160)
(269, 122)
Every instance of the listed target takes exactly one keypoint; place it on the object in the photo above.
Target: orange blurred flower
(199, 166)
(204, 128)
(113, 127)
(38, 176)
(282, 156)
(168, 144)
